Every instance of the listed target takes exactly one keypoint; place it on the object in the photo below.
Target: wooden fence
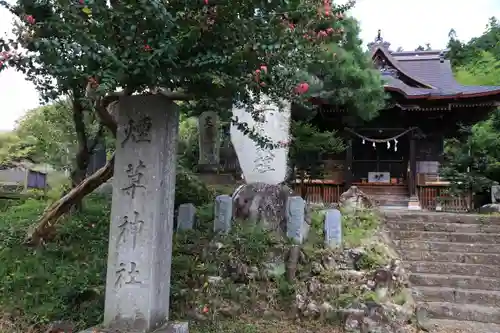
(430, 195)
(318, 191)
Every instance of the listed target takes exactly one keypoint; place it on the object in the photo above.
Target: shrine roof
(423, 74)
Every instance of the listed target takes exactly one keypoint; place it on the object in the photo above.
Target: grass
(62, 281)
(65, 280)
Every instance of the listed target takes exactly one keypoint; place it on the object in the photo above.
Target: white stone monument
(259, 164)
(495, 194)
(140, 241)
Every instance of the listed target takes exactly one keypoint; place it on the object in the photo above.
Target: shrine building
(396, 156)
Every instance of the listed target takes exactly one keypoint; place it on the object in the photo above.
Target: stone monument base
(177, 327)
(208, 168)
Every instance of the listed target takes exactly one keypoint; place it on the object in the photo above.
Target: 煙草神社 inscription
(140, 241)
(138, 130)
(135, 178)
(130, 228)
(127, 274)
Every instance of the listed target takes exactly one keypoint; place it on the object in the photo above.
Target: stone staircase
(454, 262)
(387, 196)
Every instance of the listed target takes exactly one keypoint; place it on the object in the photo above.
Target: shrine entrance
(380, 156)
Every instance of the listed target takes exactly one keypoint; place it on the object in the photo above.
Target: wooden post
(348, 165)
(412, 181)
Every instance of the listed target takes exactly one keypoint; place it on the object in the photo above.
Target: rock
(354, 199)
(311, 309)
(326, 307)
(329, 263)
(316, 268)
(264, 204)
(60, 327)
(299, 302)
(354, 257)
(490, 209)
(214, 279)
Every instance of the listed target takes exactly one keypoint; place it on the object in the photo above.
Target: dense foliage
(473, 161)
(282, 48)
(188, 46)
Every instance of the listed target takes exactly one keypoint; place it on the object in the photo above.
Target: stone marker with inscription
(140, 241)
(186, 216)
(333, 228)
(296, 227)
(209, 137)
(223, 213)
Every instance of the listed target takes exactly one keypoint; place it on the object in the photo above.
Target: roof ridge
(394, 63)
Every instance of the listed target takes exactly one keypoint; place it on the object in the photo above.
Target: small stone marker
(296, 227)
(333, 228)
(223, 214)
(140, 237)
(186, 215)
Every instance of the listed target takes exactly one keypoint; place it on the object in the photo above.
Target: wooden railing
(319, 191)
(430, 195)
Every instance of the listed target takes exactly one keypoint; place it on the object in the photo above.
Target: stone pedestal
(140, 241)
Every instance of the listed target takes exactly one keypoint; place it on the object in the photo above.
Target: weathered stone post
(186, 216)
(333, 228)
(140, 240)
(223, 213)
(297, 228)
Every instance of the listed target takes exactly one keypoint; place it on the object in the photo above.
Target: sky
(404, 23)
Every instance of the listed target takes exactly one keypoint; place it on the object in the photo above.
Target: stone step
(459, 296)
(391, 201)
(448, 247)
(442, 227)
(467, 312)
(446, 236)
(459, 326)
(453, 268)
(455, 281)
(437, 217)
(452, 257)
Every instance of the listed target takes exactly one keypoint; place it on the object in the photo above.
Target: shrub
(189, 188)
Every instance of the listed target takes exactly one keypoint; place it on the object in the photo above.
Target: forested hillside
(474, 161)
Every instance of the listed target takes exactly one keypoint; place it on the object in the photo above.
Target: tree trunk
(83, 156)
(45, 225)
(85, 146)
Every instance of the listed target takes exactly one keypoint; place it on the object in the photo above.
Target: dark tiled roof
(429, 68)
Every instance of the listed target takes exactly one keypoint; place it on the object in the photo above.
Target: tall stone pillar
(140, 240)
